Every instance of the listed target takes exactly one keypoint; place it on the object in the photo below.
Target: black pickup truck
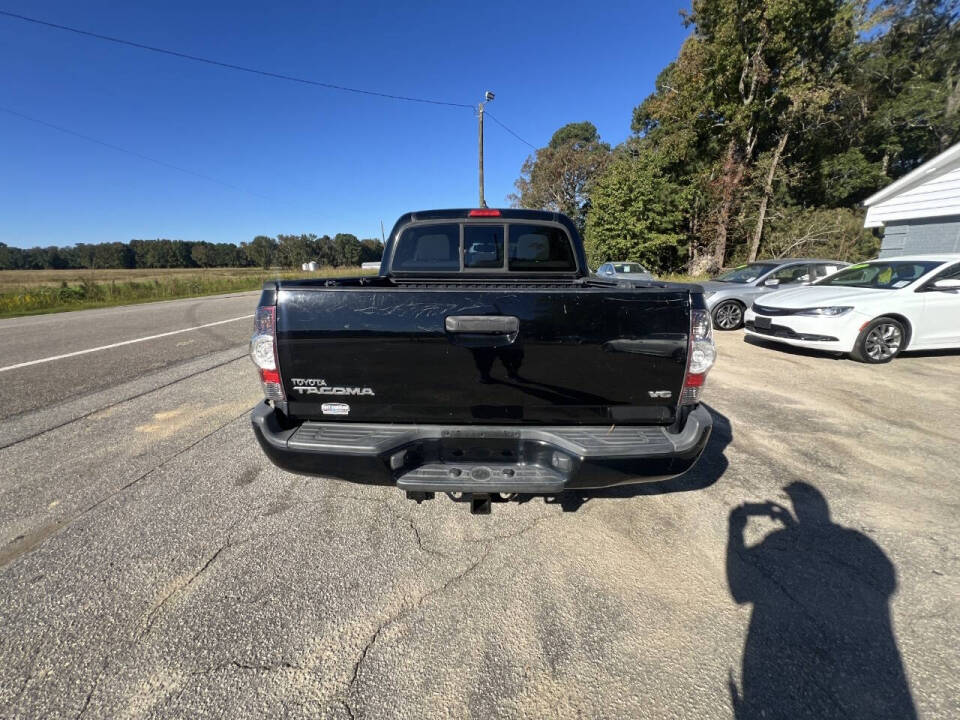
(484, 359)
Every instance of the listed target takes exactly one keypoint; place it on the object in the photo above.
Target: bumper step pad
(479, 478)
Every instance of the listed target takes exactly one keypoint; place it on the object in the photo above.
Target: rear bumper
(481, 458)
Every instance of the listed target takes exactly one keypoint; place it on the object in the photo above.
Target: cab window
(540, 248)
(428, 247)
(483, 247)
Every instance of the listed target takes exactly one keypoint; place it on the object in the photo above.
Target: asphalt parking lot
(154, 564)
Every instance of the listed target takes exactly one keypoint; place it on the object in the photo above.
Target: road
(29, 340)
(153, 564)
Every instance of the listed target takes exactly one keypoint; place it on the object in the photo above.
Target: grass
(678, 277)
(34, 292)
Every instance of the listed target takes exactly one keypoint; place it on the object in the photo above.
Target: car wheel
(880, 341)
(728, 315)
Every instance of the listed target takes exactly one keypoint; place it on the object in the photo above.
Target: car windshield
(746, 273)
(629, 268)
(881, 275)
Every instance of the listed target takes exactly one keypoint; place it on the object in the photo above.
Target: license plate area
(487, 450)
(762, 322)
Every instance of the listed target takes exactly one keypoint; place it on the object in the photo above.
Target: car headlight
(708, 293)
(833, 311)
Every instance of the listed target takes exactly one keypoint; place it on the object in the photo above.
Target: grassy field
(32, 292)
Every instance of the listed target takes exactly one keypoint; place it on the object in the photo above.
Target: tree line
(763, 137)
(343, 249)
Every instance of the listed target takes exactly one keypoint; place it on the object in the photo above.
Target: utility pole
(487, 97)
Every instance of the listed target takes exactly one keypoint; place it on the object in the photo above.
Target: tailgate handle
(482, 324)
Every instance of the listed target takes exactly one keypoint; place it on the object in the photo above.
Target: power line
(165, 164)
(231, 66)
(493, 117)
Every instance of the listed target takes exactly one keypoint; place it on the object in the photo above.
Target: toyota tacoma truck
(484, 359)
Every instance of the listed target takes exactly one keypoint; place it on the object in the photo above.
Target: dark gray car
(730, 294)
(624, 271)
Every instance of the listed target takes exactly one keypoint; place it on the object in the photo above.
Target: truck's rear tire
(880, 341)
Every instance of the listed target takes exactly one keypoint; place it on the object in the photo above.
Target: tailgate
(500, 356)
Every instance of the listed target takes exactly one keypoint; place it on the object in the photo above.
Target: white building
(920, 212)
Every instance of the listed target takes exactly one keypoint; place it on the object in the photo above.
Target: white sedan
(873, 310)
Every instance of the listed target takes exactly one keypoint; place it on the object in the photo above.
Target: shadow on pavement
(807, 352)
(791, 349)
(820, 642)
(711, 466)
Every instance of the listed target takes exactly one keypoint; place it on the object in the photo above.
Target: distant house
(920, 212)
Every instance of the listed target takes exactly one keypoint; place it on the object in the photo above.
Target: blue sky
(305, 159)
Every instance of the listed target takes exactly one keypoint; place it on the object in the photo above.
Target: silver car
(730, 294)
(624, 271)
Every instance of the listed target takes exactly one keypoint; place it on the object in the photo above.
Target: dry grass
(11, 280)
(677, 277)
(31, 292)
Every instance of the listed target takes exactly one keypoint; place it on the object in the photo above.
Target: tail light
(484, 212)
(263, 351)
(701, 356)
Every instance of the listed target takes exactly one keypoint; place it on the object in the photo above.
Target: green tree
(295, 250)
(346, 249)
(636, 214)
(225, 255)
(559, 177)
(754, 78)
(203, 254)
(260, 251)
(324, 250)
(11, 258)
(907, 80)
(371, 250)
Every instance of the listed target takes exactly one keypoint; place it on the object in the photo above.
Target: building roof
(930, 190)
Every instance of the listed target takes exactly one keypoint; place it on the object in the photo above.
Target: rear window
(489, 247)
(428, 247)
(543, 248)
(483, 246)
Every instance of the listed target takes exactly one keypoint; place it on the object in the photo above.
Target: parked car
(872, 310)
(730, 294)
(624, 271)
(445, 374)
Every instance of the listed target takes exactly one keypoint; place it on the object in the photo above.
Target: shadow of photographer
(820, 642)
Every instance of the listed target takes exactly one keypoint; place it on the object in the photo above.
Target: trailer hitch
(480, 503)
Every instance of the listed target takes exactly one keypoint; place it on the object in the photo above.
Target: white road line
(120, 344)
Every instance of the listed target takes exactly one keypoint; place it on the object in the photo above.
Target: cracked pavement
(154, 564)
